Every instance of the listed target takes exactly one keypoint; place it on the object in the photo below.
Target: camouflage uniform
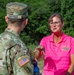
(12, 49)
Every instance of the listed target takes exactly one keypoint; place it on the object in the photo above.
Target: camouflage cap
(16, 10)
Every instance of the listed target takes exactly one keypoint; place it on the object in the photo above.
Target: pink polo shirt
(57, 57)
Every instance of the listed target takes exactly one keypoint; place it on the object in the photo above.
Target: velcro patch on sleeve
(23, 61)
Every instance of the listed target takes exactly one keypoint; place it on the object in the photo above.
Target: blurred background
(39, 13)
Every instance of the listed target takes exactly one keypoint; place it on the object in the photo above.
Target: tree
(39, 13)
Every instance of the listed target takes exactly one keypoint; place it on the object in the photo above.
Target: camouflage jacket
(12, 48)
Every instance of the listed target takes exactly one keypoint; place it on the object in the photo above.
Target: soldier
(14, 56)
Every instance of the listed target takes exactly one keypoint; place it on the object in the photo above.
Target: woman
(58, 49)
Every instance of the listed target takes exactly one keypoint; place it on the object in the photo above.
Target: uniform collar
(11, 31)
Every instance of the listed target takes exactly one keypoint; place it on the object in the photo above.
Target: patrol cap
(16, 10)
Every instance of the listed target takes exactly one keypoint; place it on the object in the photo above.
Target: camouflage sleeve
(4, 45)
(5, 42)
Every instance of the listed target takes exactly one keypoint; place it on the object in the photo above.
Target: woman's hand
(39, 51)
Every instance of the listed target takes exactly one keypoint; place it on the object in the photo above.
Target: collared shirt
(57, 57)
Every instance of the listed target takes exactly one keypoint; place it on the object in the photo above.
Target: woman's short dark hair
(55, 14)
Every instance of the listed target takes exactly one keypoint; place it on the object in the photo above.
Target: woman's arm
(38, 52)
(71, 68)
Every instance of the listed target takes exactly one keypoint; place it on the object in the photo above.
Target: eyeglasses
(56, 23)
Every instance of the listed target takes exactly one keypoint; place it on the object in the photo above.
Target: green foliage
(39, 12)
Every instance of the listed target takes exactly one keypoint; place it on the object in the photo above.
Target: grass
(32, 46)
